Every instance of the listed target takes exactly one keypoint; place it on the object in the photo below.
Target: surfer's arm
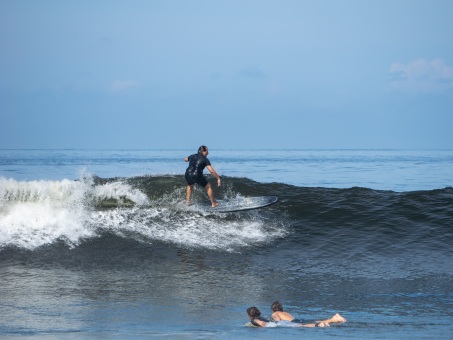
(213, 173)
(186, 159)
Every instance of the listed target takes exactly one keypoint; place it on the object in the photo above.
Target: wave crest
(146, 209)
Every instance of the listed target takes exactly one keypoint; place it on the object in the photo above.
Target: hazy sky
(228, 74)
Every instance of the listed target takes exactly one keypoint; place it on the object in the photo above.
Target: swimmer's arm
(261, 323)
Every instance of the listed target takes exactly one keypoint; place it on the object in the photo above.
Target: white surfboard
(236, 204)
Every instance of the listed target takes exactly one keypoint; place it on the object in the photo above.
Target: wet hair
(277, 307)
(202, 148)
(253, 312)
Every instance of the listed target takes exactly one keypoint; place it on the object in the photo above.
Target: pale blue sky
(228, 74)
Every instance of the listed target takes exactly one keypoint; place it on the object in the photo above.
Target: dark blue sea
(98, 244)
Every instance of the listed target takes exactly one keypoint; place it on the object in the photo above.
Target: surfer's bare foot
(338, 318)
(215, 204)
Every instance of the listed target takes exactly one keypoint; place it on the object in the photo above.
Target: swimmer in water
(194, 174)
(256, 319)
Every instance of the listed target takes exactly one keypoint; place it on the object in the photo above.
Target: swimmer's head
(253, 312)
(277, 307)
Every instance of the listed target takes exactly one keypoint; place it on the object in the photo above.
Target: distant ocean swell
(355, 222)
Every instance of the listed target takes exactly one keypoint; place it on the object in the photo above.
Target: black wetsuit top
(258, 318)
(194, 172)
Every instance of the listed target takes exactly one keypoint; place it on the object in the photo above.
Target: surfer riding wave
(194, 174)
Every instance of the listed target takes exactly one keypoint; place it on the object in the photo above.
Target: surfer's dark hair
(253, 312)
(277, 307)
(202, 148)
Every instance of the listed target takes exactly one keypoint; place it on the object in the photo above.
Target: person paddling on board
(279, 315)
(194, 174)
(256, 319)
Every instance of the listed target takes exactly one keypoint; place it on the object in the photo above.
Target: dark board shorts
(192, 179)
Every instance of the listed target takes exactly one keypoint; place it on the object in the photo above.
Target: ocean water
(97, 244)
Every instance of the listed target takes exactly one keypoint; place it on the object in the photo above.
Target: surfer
(279, 315)
(194, 174)
(256, 319)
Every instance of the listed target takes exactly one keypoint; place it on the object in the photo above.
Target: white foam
(37, 213)
(188, 230)
(119, 191)
(40, 212)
